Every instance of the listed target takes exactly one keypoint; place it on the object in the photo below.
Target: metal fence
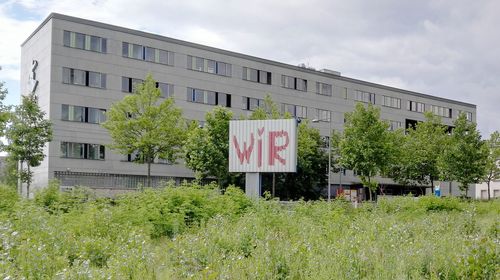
(104, 180)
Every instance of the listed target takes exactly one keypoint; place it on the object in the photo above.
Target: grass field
(191, 232)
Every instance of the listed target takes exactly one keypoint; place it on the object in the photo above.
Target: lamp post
(329, 151)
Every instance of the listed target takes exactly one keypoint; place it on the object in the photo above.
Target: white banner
(263, 146)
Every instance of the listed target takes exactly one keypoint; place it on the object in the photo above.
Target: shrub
(8, 198)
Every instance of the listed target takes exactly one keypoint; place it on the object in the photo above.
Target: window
(415, 106)
(209, 66)
(258, 76)
(363, 96)
(82, 151)
(129, 85)
(167, 90)
(468, 115)
(84, 42)
(294, 110)
(82, 114)
(84, 78)
(392, 102)
(147, 53)
(323, 115)
(324, 89)
(441, 111)
(252, 103)
(95, 115)
(73, 113)
(293, 83)
(137, 157)
(208, 97)
(394, 125)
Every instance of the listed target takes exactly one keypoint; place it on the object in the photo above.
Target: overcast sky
(448, 48)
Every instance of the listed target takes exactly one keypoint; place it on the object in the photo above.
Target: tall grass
(197, 232)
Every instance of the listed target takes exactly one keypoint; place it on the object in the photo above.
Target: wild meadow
(194, 232)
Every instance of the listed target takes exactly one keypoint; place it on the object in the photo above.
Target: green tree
(4, 111)
(493, 161)
(27, 135)
(420, 150)
(465, 158)
(143, 123)
(312, 159)
(312, 164)
(206, 149)
(367, 145)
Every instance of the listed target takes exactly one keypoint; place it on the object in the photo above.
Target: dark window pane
(211, 98)
(211, 66)
(163, 57)
(199, 64)
(137, 51)
(104, 47)
(149, 54)
(80, 41)
(221, 68)
(95, 44)
(95, 79)
(78, 77)
(67, 38)
(199, 96)
(126, 84)
(125, 49)
(64, 112)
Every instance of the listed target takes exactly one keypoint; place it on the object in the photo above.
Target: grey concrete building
(78, 68)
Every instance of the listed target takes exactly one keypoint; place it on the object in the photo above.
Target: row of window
(84, 78)
(293, 83)
(251, 104)
(129, 84)
(441, 111)
(82, 150)
(259, 76)
(415, 106)
(96, 152)
(84, 42)
(209, 66)
(136, 51)
(363, 96)
(82, 114)
(147, 53)
(208, 97)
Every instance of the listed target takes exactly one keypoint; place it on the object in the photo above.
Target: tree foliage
(312, 160)
(145, 124)
(4, 111)
(493, 160)
(465, 158)
(367, 145)
(420, 150)
(27, 135)
(206, 149)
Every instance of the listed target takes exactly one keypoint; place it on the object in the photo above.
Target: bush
(8, 198)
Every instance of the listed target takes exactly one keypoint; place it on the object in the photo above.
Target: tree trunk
(149, 173)
(489, 189)
(274, 185)
(370, 189)
(432, 185)
(28, 183)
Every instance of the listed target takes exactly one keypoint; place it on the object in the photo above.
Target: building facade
(78, 68)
